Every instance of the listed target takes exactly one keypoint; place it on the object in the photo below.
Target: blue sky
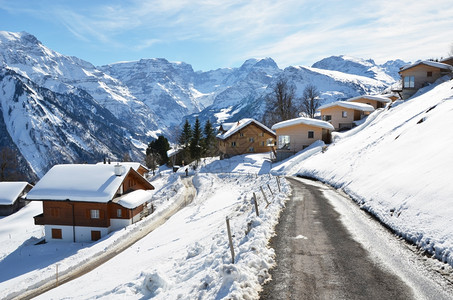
(211, 34)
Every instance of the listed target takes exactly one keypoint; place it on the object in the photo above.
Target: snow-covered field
(187, 257)
(398, 166)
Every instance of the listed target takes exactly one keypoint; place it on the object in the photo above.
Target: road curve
(317, 258)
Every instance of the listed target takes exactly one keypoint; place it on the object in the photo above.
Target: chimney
(109, 161)
(118, 169)
(105, 160)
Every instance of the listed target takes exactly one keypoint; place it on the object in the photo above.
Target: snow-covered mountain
(154, 96)
(387, 73)
(50, 128)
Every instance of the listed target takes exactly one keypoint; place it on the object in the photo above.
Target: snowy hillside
(397, 165)
(187, 257)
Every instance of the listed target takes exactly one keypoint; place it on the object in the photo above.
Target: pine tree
(195, 142)
(209, 141)
(158, 150)
(184, 141)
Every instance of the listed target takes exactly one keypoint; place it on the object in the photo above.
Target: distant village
(85, 202)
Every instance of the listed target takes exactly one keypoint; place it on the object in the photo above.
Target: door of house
(95, 235)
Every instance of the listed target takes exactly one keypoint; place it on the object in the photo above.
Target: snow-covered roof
(351, 105)
(305, 121)
(91, 183)
(428, 63)
(235, 127)
(10, 191)
(133, 199)
(378, 98)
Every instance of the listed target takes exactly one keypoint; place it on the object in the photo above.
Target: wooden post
(265, 198)
(57, 273)
(230, 240)
(269, 187)
(278, 184)
(256, 205)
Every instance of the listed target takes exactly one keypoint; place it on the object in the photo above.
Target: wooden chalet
(244, 136)
(85, 202)
(297, 134)
(12, 196)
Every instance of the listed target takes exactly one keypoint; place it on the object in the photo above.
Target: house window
(327, 118)
(241, 134)
(262, 134)
(233, 144)
(251, 140)
(56, 234)
(311, 135)
(251, 149)
(95, 235)
(409, 82)
(283, 142)
(429, 74)
(94, 213)
(262, 144)
(119, 212)
(344, 114)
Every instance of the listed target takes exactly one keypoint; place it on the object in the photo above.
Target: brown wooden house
(85, 202)
(244, 136)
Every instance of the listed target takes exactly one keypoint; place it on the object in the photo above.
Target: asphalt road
(317, 258)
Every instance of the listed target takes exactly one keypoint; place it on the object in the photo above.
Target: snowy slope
(397, 165)
(186, 257)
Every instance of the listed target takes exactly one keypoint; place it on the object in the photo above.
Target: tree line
(194, 143)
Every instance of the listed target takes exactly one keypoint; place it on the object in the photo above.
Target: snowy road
(327, 248)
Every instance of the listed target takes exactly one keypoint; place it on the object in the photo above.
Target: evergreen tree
(209, 140)
(195, 142)
(186, 135)
(184, 141)
(158, 149)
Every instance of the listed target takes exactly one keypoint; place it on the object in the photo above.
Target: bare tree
(280, 103)
(310, 100)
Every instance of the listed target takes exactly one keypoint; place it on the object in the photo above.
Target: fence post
(56, 274)
(269, 187)
(278, 184)
(256, 205)
(265, 198)
(230, 240)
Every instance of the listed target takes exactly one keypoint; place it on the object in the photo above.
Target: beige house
(244, 136)
(420, 74)
(377, 101)
(343, 114)
(297, 134)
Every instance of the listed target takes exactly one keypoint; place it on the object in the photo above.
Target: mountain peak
(261, 63)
